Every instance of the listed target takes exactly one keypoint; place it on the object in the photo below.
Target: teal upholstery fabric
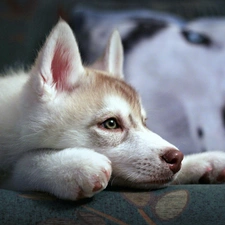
(176, 205)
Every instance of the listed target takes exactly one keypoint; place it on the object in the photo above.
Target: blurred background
(24, 24)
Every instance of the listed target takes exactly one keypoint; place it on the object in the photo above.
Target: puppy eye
(110, 124)
(196, 38)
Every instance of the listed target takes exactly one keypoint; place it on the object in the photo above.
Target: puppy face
(111, 121)
(69, 106)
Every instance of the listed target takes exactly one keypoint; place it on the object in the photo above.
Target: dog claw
(97, 187)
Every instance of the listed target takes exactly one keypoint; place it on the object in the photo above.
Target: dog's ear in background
(112, 58)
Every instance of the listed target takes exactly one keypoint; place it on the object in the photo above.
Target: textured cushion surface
(182, 204)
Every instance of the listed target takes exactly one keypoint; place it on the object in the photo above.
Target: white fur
(53, 136)
(116, 104)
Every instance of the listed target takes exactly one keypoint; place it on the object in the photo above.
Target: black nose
(174, 158)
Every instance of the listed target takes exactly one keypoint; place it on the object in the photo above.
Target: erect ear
(112, 59)
(58, 66)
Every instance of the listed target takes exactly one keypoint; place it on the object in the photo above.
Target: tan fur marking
(116, 86)
(132, 121)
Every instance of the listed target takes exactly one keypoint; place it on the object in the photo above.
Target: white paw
(208, 167)
(82, 173)
(94, 175)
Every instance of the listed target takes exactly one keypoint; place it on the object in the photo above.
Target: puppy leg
(68, 174)
(208, 167)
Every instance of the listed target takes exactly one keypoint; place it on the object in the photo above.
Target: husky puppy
(67, 129)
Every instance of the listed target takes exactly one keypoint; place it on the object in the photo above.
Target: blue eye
(196, 38)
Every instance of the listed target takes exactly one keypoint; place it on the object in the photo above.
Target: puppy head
(70, 106)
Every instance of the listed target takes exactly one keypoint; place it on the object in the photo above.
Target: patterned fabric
(176, 205)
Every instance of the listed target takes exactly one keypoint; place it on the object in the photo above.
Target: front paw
(202, 168)
(94, 176)
(212, 175)
(81, 174)
(68, 174)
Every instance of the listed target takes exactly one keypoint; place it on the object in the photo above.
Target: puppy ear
(112, 59)
(58, 66)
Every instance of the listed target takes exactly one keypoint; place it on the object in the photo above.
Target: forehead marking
(116, 103)
(117, 94)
